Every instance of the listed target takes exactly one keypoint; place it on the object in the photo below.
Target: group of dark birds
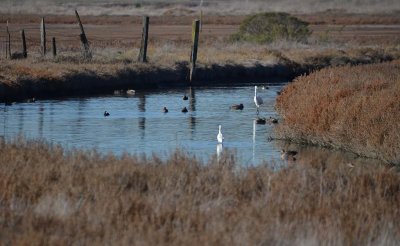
(184, 109)
(258, 101)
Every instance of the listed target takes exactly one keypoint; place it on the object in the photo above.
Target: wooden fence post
(8, 44)
(54, 48)
(195, 39)
(87, 54)
(43, 38)
(24, 51)
(145, 38)
(201, 20)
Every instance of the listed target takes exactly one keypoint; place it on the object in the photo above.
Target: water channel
(138, 126)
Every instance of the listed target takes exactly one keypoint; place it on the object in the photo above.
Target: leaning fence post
(8, 44)
(85, 44)
(195, 39)
(54, 47)
(145, 38)
(24, 51)
(43, 38)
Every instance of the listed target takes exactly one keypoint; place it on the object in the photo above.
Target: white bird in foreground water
(220, 138)
(257, 100)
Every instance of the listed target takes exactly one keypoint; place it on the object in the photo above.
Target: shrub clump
(355, 108)
(269, 27)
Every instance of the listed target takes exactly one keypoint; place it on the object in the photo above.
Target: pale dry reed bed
(52, 196)
(352, 108)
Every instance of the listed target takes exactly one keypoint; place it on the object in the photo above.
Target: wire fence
(68, 37)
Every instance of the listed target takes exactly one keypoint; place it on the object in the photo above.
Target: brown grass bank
(218, 62)
(52, 196)
(352, 108)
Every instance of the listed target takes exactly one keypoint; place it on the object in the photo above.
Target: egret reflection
(220, 149)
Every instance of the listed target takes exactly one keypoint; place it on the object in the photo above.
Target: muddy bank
(88, 81)
(45, 79)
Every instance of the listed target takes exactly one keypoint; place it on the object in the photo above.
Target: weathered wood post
(24, 51)
(54, 48)
(145, 38)
(8, 44)
(201, 20)
(87, 54)
(195, 39)
(43, 38)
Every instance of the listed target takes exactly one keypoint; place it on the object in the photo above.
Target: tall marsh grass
(352, 107)
(52, 196)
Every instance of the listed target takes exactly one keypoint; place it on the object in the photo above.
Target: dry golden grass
(52, 196)
(109, 60)
(353, 108)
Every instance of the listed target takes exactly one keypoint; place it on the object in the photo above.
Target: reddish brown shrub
(353, 108)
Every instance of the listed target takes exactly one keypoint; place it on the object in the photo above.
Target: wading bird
(220, 138)
(257, 100)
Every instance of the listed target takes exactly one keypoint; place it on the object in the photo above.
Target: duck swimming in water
(237, 106)
(106, 114)
(261, 121)
(184, 110)
(165, 110)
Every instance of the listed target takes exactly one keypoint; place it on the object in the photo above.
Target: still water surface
(137, 125)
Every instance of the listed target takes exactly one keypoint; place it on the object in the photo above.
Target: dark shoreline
(130, 78)
(88, 82)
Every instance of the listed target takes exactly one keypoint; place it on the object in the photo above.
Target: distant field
(159, 7)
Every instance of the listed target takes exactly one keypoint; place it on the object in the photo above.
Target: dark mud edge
(89, 83)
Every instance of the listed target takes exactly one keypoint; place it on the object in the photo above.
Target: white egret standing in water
(220, 138)
(257, 99)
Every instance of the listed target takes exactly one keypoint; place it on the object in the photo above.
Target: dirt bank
(90, 79)
(21, 79)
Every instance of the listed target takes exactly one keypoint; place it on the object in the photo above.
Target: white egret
(257, 100)
(220, 138)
